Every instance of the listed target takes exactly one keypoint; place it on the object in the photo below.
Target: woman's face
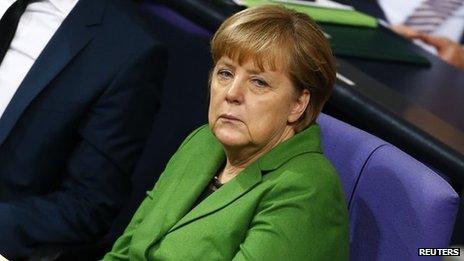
(249, 107)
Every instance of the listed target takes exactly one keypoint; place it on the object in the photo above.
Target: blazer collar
(305, 141)
(229, 192)
(73, 35)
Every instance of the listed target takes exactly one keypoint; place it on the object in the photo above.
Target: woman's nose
(235, 92)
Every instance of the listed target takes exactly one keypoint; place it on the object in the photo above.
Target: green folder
(326, 15)
(373, 44)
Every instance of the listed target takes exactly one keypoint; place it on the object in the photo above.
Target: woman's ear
(299, 106)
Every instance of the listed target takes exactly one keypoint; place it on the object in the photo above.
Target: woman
(253, 184)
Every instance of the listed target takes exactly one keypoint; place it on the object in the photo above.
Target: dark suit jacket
(74, 129)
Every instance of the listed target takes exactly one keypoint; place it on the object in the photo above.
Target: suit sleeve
(96, 183)
(298, 221)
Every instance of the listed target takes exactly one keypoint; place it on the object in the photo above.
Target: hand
(449, 51)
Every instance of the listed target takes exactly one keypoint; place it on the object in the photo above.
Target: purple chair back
(396, 204)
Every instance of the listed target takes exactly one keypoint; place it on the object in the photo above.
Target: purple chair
(396, 204)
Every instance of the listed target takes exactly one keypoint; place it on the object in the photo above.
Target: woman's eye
(224, 74)
(259, 83)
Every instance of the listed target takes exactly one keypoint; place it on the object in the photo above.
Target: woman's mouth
(229, 117)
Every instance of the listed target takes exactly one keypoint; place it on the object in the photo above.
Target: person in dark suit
(75, 126)
(253, 184)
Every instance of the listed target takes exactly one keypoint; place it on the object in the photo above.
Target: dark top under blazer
(286, 205)
(72, 132)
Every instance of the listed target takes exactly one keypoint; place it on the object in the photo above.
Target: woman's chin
(230, 138)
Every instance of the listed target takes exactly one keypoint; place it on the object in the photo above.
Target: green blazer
(287, 205)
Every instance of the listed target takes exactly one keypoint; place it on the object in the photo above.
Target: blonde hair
(270, 34)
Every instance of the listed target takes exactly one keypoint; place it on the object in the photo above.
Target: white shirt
(35, 29)
(397, 11)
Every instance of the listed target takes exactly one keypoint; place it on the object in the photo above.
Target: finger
(405, 31)
(454, 55)
(438, 42)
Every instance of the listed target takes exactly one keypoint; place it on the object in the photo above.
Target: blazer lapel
(73, 35)
(198, 173)
(177, 200)
(232, 190)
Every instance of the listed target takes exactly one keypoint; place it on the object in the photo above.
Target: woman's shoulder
(313, 188)
(199, 142)
(201, 135)
(308, 171)
(310, 165)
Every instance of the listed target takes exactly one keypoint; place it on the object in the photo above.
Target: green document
(326, 15)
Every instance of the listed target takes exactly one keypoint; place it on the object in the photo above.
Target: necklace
(216, 183)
